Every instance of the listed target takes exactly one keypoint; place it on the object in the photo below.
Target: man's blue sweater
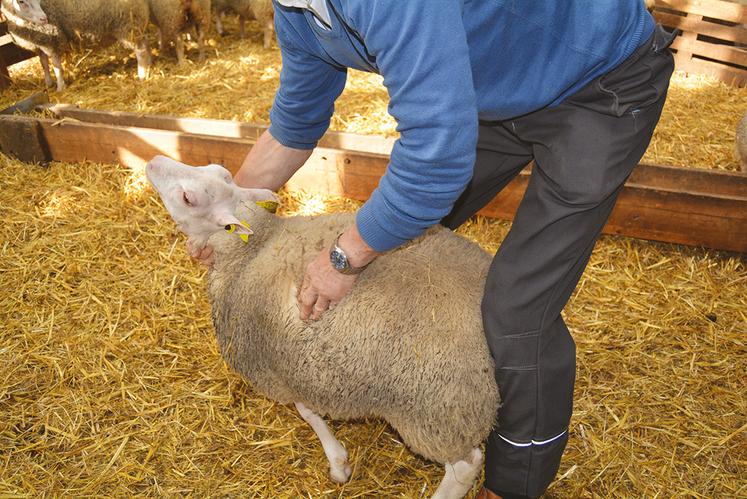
(446, 64)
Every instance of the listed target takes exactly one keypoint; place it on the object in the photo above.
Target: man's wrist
(359, 253)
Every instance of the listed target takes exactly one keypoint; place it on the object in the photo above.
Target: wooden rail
(10, 54)
(682, 205)
(713, 40)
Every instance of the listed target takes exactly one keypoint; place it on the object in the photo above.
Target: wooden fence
(713, 39)
(681, 205)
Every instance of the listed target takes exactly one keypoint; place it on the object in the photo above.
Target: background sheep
(174, 17)
(261, 10)
(740, 145)
(406, 345)
(71, 22)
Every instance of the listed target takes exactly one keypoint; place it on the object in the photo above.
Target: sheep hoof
(341, 471)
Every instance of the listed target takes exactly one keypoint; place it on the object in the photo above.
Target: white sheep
(261, 10)
(175, 17)
(406, 345)
(63, 24)
(740, 144)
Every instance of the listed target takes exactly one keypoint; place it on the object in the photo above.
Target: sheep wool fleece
(390, 349)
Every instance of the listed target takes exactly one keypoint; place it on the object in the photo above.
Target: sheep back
(260, 10)
(406, 344)
(175, 16)
(99, 21)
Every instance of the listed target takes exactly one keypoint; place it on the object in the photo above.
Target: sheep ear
(240, 228)
(231, 224)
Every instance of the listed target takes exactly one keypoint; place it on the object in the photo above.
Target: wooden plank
(665, 177)
(691, 180)
(718, 9)
(724, 73)
(736, 34)
(708, 216)
(28, 104)
(13, 54)
(683, 55)
(218, 128)
(24, 139)
(721, 53)
(4, 74)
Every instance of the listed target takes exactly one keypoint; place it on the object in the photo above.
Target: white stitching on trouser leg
(533, 442)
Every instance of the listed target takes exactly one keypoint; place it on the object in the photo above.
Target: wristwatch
(339, 260)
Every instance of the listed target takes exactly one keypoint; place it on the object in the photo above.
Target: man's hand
(323, 286)
(203, 253)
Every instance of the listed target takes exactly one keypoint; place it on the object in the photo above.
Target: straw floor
(111, 383)
(239, 79)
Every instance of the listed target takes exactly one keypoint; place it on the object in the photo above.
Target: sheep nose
(43, 20)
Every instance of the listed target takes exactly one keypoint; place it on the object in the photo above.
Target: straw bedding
(111, 383)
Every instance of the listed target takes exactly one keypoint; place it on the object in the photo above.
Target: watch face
(338, 259)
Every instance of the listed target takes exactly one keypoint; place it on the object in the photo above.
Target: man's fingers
(321, 305)
(203, 254)
(306, 300)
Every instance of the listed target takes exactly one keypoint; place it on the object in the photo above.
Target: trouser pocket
(640, 81)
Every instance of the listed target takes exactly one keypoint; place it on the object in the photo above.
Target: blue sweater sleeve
(420, 47)
(308, 88)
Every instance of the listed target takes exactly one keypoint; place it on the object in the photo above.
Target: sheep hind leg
(339, 469)
(268, 31)
(179, 47)
(219, 24)
(201, 40)
(242, 31)
(460, 476)
(142, 52)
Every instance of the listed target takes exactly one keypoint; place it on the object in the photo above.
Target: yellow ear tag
(270, 206)
(231, 228)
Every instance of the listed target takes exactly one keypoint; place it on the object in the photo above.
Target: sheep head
(201, 199)
(21, 12)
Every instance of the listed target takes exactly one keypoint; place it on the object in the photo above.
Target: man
(479, 89)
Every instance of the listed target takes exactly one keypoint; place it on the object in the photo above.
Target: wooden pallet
(713, 39)
(681, 205)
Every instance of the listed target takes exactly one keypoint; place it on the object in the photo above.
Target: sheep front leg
(44, 60)
(460, 476)
(339, 469)
(57, 67)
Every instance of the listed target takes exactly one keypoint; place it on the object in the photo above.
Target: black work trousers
(583, 150)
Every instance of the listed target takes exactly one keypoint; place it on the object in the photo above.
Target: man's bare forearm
(270, 164)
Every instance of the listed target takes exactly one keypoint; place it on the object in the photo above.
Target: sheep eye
(186, 199)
